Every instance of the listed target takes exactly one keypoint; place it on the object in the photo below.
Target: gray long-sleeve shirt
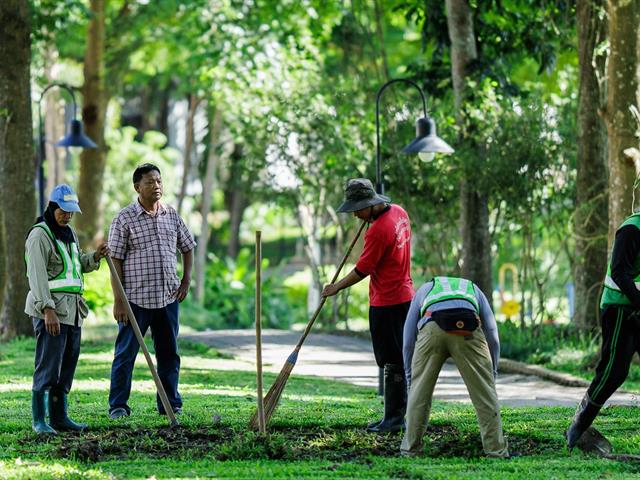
(44, 263)
(414, 323)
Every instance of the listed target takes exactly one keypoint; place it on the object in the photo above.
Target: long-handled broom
(272, 398)
(173, 421)
(262, 425)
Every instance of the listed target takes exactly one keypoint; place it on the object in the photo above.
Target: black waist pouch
(458, 321)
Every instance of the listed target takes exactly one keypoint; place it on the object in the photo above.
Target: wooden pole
(136, 329)
(262, 427)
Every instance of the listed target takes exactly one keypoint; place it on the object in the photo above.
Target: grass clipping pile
(225, 444)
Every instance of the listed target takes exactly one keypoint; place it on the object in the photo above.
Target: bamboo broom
(272, 398)
(262, 425)
(173, 421)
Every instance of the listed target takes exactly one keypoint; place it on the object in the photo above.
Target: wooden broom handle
(333, 280)
(136, 329)
(260, 399)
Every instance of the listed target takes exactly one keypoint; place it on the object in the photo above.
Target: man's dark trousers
(164, 331)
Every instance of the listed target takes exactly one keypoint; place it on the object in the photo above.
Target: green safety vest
(450, 288)
(69, 280)
(611, 293)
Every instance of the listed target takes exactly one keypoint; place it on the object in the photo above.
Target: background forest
(258, 111)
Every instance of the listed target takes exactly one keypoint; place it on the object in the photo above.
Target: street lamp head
(426, 140)
(426, 144)
(76, 137)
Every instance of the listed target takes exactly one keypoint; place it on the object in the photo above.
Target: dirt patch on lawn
(224, 443)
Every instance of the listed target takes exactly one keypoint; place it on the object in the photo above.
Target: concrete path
(351, 360)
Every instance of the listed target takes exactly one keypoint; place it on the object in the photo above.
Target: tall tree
(591, 215)
(17, 189)
(474, 207)
(236, 198)
(622, 88)
(92, 161)
(208, 184)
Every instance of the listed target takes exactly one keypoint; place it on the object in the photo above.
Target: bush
(97, 289)
(229, 300)
(560, 346)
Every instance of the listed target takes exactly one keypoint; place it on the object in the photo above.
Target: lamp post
(75, 137)
(426, 142)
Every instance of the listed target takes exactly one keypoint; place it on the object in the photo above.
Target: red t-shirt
(387, 258)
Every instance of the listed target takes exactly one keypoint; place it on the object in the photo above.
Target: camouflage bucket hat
(359, 194)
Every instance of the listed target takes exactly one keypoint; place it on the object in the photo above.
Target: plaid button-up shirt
(147, 246)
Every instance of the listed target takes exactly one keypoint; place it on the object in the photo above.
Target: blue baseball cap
(66, 198)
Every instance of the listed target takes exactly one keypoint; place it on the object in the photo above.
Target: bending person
(451, 317)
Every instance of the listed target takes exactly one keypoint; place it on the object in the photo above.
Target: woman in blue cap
(55, 265)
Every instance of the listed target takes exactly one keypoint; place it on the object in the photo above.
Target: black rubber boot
(395, 401)
(58, 412)
(585, 414)
(38, 413)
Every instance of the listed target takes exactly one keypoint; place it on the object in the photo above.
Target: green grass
(317, 432)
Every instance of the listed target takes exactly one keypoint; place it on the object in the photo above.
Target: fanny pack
(457, 321)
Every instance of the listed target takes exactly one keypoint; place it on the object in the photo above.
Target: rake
(272, 398)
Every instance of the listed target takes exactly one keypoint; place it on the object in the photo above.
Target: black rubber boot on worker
(395, 401)
(38, 413)
(58, 412)
(585, 414)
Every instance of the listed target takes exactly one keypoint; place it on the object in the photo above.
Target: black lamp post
(426, 142)
(75, 137)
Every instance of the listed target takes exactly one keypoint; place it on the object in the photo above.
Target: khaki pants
(471, 356)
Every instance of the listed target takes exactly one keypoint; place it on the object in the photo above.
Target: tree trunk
(236, 200)
(92, 161)
(17, 168)
(3, 246)
(591, 218)
(622, 88)
(188, 147)
(208, 184)
(54, 124)
(308, 221)
(379, 13)
(474, 205)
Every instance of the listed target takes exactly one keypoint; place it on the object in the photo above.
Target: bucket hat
(359, 194)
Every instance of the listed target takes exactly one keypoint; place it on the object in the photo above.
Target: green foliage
(97, 291)
(229, 300)
(557, 345)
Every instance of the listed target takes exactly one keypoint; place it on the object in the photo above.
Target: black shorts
(386, 325)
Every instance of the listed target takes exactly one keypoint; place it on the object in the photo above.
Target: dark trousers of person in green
(620, 340)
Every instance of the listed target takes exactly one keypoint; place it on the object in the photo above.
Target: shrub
(560, 346)
(97, 291)
(229, 300)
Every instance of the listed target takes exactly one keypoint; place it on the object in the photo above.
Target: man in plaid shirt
(143, 239)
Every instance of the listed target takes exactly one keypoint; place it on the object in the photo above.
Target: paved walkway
(351, 360)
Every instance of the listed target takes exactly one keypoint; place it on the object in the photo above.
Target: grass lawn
(317, 432)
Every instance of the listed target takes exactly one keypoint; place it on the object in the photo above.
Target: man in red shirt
(386, 258)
